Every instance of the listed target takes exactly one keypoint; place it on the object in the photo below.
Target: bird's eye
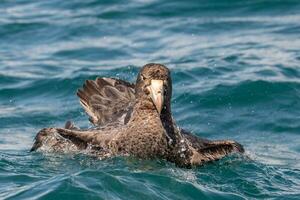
(146, 90)
(143, 77)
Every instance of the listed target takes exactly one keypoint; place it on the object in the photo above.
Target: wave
(82, 177)
(235, 76)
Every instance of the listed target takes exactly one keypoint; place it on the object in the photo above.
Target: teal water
(236, 75)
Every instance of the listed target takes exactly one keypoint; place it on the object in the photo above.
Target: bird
(133, 120)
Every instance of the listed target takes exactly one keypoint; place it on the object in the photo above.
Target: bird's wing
(107, 100)
(212, 150)
(216, 150)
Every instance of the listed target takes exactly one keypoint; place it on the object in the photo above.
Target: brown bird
(133, 120)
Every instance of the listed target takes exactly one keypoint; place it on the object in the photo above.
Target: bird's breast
(145, 138)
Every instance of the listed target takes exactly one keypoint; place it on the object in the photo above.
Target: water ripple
(235, 69)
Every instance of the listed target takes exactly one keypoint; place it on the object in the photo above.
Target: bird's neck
(170, 126)
(144, 103)
(144, 111)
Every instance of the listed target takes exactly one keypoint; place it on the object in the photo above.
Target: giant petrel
(133, 120)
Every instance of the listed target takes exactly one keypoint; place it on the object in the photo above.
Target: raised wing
(107, 100)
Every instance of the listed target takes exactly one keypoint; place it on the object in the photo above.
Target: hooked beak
(157, 94)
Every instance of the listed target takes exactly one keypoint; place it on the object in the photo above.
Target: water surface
(235, 68)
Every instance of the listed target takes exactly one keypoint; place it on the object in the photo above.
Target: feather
(107, 100)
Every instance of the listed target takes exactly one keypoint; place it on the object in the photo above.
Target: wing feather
(212, 150)
(107, 100)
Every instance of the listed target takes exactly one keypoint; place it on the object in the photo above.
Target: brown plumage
(133, 119)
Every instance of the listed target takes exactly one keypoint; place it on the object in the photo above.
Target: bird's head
(154, 85)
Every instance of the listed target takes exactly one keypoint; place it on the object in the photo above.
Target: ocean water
(236, 75)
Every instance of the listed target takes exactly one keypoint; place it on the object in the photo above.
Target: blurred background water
(235, 68)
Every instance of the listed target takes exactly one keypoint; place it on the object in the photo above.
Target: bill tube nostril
(157, 93)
